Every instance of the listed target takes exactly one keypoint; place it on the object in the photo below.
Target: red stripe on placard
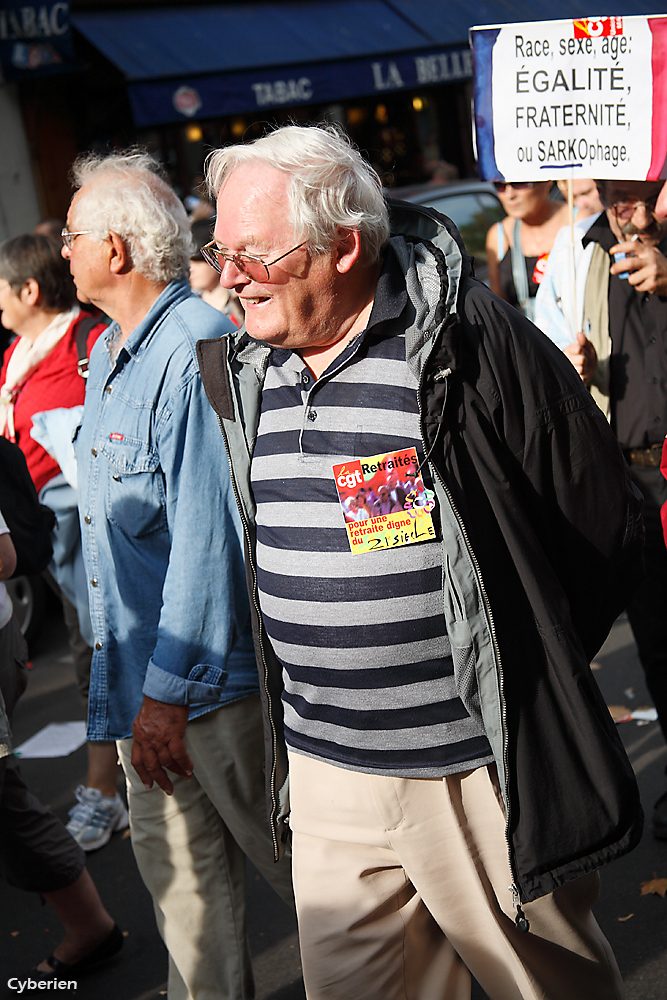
(657, 170)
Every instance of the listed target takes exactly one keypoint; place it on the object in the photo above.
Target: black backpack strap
(29, 522)
(82, 331)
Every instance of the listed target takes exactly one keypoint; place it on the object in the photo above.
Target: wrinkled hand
(647, 266)
(158, 743)
(584, 357)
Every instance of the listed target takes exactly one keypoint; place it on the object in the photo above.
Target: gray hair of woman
(331, 188)
(127, 194)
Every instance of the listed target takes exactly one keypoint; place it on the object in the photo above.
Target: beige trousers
(402, 891)
(191, 852)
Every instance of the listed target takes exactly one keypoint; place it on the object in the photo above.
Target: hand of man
(584, 357)
(647, 266)
(158, 743)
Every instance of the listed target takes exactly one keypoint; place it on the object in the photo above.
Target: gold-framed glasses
(253, 267)
(68, 238)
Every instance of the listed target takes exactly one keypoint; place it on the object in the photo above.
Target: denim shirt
(160, 525)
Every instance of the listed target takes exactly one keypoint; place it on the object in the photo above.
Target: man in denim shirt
(174, 678)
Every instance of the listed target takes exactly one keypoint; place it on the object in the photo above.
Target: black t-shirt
(507, 278)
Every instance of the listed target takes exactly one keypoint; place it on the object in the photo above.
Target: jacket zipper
(520, 920)
(274, 737)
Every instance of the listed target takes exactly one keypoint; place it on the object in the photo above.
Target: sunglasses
(516, 185)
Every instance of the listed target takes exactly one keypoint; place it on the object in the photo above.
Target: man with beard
(622, 356)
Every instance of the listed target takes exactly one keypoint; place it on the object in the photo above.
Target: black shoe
(660, 818)
(111, 945)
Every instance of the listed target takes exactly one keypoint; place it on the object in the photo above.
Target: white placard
(571, 98)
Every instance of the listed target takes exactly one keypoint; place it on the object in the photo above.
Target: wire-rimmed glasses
(68, 238)
(253, 267)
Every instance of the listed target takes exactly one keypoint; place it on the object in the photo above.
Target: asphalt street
(29, 931)
(635, 923)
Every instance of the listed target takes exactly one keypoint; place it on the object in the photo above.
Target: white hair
(331, 187)
(127, 194)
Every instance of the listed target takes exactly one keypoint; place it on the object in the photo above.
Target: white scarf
(27, 356)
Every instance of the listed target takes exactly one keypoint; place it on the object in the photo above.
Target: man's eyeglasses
(68, 238)
(629, 206)
(253, 267)
(517, 185)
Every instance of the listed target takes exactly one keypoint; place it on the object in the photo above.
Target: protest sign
(384, 501)
(575, 98)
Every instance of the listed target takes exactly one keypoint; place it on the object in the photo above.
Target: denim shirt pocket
(135, 499)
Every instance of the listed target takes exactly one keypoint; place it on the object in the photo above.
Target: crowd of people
(375, 738)
(387, 498)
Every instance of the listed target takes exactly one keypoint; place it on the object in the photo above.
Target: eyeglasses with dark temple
(627, 207)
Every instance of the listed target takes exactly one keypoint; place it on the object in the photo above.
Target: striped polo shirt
(367, 667)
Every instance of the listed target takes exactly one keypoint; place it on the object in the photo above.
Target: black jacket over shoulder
(541, 550)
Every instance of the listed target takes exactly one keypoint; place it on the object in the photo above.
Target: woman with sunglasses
(517, 247)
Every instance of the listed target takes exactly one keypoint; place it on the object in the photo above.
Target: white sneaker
(95, 817)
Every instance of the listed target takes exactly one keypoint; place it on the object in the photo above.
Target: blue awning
(161, 101)
(206, 62)
(153, 44)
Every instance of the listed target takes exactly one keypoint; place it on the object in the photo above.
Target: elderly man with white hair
(456, 779)
(174, 677)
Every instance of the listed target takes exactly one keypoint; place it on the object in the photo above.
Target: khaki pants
(191, 850)
(402, 887)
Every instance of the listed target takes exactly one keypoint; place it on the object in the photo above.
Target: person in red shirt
(42, 389)
(39, 371)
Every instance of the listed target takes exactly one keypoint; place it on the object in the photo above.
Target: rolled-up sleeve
(204, 615)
